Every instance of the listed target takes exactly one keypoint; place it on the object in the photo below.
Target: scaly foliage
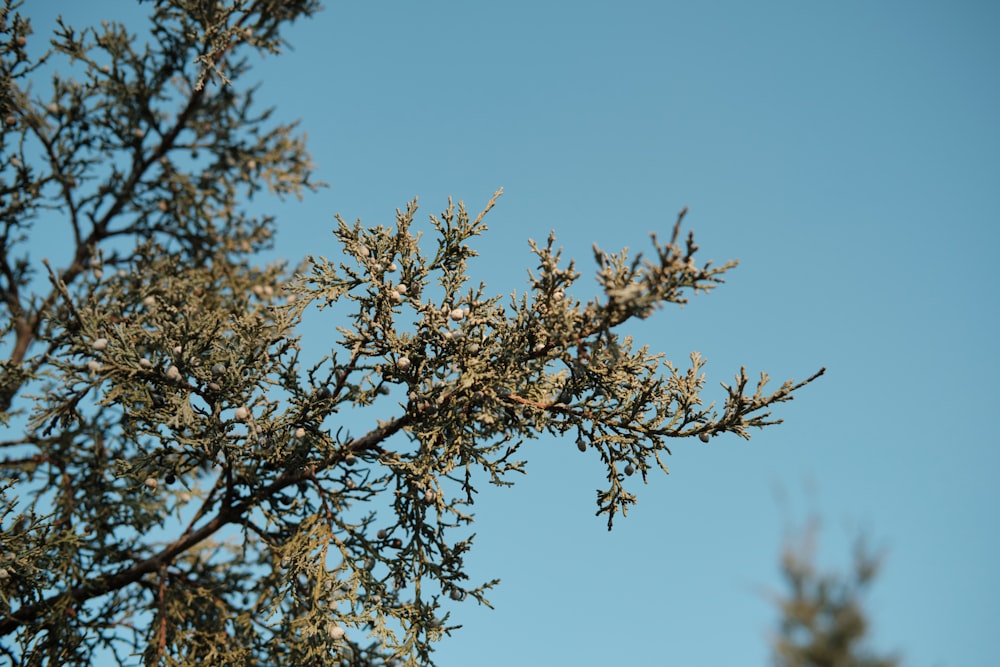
(179, 485)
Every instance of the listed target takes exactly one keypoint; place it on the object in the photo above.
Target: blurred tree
(176, 483)
(823, 621)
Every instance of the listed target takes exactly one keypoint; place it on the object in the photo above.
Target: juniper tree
(823, 618)
(178, 481)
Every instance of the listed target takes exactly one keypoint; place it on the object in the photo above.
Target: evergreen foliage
(176, 484)
(823, 620)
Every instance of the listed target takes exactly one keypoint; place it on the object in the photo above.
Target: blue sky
(847, 153)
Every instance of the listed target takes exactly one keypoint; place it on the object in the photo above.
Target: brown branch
(26, 325)
(226, 515)
(161, 642)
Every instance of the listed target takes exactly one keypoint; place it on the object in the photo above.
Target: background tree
(177, 482)
(823, 620)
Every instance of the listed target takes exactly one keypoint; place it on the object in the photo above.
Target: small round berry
(145, 363)
(704, 437)
(99, 344)
(392, 267)
(158, 400)
(400, 288)
(457, 595)
(21, 40)
(457, 314)
(11, 120)
(403, 363)
(241, 413)
(93, 366)
(581, 445)
(382, 534)
(174, 373)
(428, 496)
(350, 459)
(150, 482)
(396, 543)
(336, 632)
(149, 301)
(177, 350)
(629, 470)
(300, 433)
(169, 478)
(218, 369)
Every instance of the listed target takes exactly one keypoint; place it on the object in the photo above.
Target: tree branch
(226, 515)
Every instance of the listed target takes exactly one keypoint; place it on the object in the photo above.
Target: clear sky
(847, 153)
